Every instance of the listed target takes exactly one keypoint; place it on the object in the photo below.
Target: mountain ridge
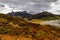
(42, 15)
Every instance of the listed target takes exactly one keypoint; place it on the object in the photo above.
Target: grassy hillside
(19, 29)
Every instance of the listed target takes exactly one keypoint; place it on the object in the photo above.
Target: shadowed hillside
(19, 29)
(41, 16)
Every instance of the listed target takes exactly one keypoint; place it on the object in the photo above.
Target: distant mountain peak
(25, 14)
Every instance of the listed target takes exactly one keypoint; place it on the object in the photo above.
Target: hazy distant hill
(42, 16)
(23, 14)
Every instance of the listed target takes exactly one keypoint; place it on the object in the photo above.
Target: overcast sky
(30, 5)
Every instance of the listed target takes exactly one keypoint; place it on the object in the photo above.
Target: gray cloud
(29, 5)
(50, 0)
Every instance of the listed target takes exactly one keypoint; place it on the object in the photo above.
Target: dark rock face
(25, 14)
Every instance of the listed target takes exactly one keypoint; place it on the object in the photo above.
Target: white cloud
(5, 9)
(29, 5)
(55, 7)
